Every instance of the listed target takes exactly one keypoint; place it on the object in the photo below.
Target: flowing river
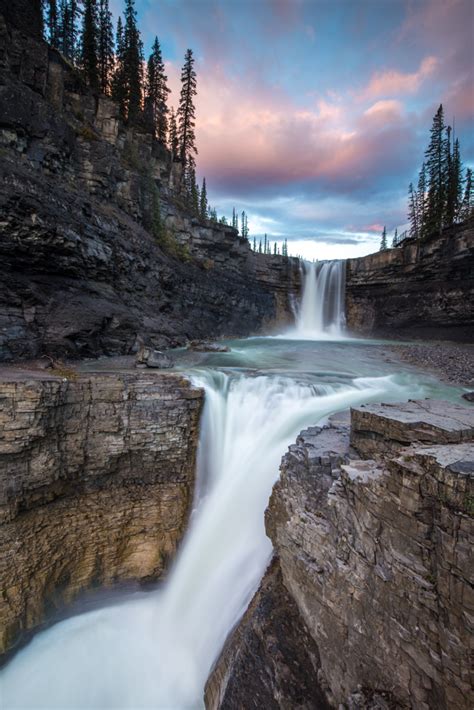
(156, 649)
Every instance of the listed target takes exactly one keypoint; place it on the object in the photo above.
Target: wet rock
(374, 549)
(96, 484)
(153, 358)
(201, 346)
(469, 396)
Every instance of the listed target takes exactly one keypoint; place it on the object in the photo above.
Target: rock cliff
(96, 482)
(373, 531)
(82, 272)
(422, 289)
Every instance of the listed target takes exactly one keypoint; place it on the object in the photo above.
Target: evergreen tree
(265, 244)
(186, 113)
(173, 141)
(53, 24)
(260, 247)
(383, 241)
(255, 243)
(284, 248)
(420, 203)
(89, 59)
(274, 248)
(245, 229)
(395, 238)
(118, 80)
(467, 206)
(157, 91)
(105, 47)
(436, 163)
(455, 183)
(132, 63)
(203, 206)
(412, 213)
(67, 29)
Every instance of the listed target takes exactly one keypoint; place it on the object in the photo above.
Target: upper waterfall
(321, 310)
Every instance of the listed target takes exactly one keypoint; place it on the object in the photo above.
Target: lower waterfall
(155, 649)
(321, 311)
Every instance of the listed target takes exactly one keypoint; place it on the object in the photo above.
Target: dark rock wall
(96, 484)
(373, 529)
(423, 289)
(81, 273)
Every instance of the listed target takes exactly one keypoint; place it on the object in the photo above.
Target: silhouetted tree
(437, 168)
(88, 52)
(203, 201)
(105, 47)
(395, 238)
(467, 206)
(119, 92)
(132, 63)
(412, 213)
(173, 141)
(52, 23)
(383, 241)
(454, 187)
(156, 95)
(68, 28)
(186, 114)
(420, 203)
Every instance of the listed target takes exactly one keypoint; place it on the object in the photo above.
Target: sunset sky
(313, 115)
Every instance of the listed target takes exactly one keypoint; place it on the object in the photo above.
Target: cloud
(396, 83)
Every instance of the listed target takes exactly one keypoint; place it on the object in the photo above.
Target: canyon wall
(422, 289)
(84, 270)
(96, 483)
(372, 527)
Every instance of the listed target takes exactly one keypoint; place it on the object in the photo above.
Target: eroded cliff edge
(96, 480)
(83, 271)
(373, 530)
(422, 289)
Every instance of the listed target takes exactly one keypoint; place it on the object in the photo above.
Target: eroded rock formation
(423, 289)
(83, 272)
(96, 481)
(373, 532)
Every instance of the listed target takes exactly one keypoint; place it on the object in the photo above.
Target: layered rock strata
(373, 532)
(422, 289)
(96, 482)
(98, 250)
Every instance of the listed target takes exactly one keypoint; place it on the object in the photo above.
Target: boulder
(202, 346)
(469, 396)
(153, 358)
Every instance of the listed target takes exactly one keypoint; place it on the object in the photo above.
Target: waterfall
(321, 311)
(155, 650)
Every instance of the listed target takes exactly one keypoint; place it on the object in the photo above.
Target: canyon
(112, 475)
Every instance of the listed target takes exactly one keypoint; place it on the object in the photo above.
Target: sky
(313, 115)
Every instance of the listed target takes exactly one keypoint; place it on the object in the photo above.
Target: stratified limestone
(96, 482)
(376, 555)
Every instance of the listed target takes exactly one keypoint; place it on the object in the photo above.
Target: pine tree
(68, 29)
(173, 141)
(255, 243)
(53, 25)
(89, 58)
(245, 229)
(455, 183)
(274, 248)
(412, 213)
(105, 47)
(118, 79)
(156, 95)
(383, 241)
(395, 238)
(260, 247)
(420, 203)
(132, 63)
(436, 163)
(203, 204)
(187, 114)
(467, 205)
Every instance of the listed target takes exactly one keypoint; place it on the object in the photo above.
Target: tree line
(444, 194)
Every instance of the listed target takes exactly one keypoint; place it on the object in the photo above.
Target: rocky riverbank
(96, 480)
(372, 525)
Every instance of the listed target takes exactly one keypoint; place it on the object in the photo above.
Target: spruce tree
(118, 79)
(436, 163)
(173, 142)
(89, 58)
(395, 238)
(53, 24)
(274, 248)
(203, 208)
(68, 29)
(105, 47)
(467, 206)
(455, 182)
(260, 247)
(412, 213)
(383, 241)
(156, 95)
(420, 203)
(186, 114)
(132, 63)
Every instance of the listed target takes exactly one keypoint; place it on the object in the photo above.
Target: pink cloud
(394, 83)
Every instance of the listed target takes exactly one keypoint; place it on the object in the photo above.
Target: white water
(321, 312)
(156, 650)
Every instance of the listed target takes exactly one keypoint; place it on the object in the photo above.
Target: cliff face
(423, 289)
(96, 481)
(372, 530)
(82, 273)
